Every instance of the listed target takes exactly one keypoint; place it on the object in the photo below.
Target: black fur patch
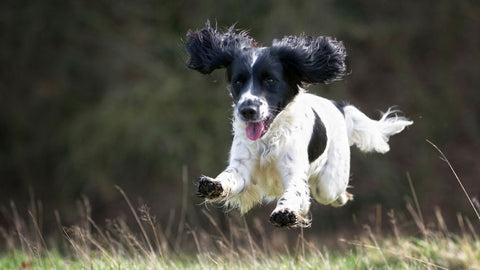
(312, 60)
(318, 141)
(209, 49)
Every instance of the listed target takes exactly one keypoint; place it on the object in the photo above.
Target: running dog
(288, 144)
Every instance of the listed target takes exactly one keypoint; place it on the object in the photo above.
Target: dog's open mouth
(255, 130)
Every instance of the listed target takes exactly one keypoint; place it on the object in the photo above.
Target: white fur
(370, 135)
(255, 54)
(277, 165)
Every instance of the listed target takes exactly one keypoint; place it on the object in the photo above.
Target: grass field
(118, 245)
(433, 252)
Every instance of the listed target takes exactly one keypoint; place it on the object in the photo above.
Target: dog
(288, 144)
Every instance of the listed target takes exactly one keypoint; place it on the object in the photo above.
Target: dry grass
(148, 245)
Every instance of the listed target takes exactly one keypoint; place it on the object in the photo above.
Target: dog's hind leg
(342, 199)
(329, 181)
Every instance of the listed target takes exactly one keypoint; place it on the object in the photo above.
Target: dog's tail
(372, 135)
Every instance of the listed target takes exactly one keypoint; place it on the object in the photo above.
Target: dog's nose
(249, 112)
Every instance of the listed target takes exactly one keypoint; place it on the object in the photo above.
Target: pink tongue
(254, 130)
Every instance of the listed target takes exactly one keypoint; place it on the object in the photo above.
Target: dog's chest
(268, 180)
(265, 175)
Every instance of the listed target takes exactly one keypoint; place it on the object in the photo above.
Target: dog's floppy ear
(209, 49)
(312, 60)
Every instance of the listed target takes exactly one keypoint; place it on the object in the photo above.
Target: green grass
(434, 251)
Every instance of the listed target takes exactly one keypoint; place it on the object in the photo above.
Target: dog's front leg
(292, 207)
(235, 178)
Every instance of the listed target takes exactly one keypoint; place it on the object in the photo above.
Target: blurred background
(95, 94)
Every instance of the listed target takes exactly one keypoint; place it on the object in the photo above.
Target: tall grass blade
(444, 158)
(136, 218)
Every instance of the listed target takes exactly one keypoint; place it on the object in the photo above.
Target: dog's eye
(238, 83)
(269, 81)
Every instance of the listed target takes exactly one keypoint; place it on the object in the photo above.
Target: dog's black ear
(208, 49)
(312, 60)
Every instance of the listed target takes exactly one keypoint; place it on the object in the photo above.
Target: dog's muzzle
(255, 114)
(249, 110)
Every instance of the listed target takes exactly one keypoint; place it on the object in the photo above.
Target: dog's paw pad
(208, 188)
(283, 218)
(289, 219)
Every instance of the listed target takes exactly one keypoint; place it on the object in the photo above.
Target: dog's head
(264, 79)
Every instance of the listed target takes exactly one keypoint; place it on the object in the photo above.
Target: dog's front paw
(209, 188)
(289, 219)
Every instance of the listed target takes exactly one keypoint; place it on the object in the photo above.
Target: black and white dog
(287, 143)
